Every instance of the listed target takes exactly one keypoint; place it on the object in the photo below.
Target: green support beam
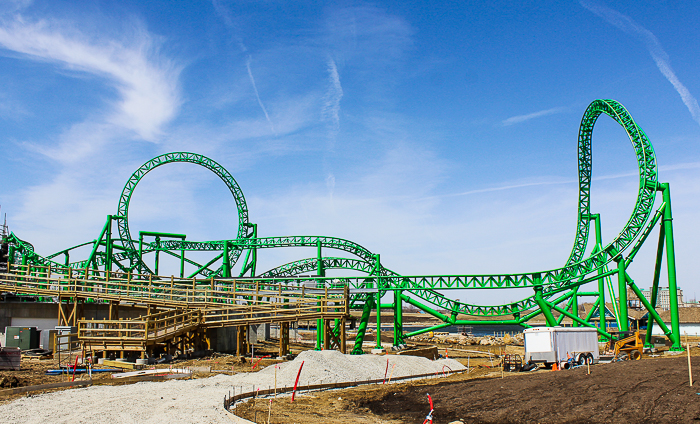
(398, 318)
(362, 326)
(671, 267)
(623, 318)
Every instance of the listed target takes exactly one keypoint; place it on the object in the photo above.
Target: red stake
(429, 418)
(294, 392)
(75, 366)
(260, 359)
(386, 370)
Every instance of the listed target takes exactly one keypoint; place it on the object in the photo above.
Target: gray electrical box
(24, 338)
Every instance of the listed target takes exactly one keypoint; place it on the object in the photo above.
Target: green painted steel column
(601, 303)
(622, 294)
(601, 281)
(671, 267)
(379, 317)
(157, 254)
(10, 256)
(225, 264)
(362, 327)
(254, 261)
(108, 244)
(655, 282)
(537, 281)
(321, 272)
(574, 307)
(140, 262)
(398, 318)
(182, 263)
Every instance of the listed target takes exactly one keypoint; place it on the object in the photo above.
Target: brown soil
(651, 390)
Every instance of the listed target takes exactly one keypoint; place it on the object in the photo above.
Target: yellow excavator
(626, 346)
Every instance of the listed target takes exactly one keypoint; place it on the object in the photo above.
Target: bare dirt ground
(651, 390)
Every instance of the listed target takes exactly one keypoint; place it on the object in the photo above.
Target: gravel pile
(201, 400)
(331, 366)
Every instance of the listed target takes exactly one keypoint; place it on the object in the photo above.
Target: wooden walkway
(184, 307)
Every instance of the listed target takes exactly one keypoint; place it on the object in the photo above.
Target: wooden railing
(153, 327)
(237, 295)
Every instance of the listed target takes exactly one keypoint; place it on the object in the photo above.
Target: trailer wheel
(582, 358)
(635, 355)
(589, 358)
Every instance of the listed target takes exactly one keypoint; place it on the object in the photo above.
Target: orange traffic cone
(555, 367)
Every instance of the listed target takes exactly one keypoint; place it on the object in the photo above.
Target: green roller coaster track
(554, 292)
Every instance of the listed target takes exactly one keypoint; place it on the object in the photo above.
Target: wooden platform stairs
(178, 312)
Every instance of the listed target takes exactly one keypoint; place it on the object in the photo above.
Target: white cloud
(257, 95)
(522, 118)
(331, 101)
(147, 83)
(628, 25)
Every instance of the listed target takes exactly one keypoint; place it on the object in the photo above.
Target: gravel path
(201, 400)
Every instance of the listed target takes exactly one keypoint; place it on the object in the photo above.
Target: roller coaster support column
(96, 244)
(362, 327)
(671, 266)
(601, 281)
(10, 256)
(157, 255)
(398, 318)
(379, 319)
(251, 257)
(655, 282)
(225, 264)
(537, 281)
(623, 319)
(574, 307)
(321, 272)
(377, 267)
(108, 244)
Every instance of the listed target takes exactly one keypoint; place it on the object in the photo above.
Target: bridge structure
(124, 268)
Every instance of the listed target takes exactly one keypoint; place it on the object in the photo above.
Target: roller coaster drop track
(555, 293)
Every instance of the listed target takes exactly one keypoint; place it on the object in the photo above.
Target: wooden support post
(61, 315)
(343, 337)
(284, 339)
(241, 340)
(113, 310)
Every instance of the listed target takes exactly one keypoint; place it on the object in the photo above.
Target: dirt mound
(630, 392)
(8, 382)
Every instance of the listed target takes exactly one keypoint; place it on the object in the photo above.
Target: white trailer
(557, 344)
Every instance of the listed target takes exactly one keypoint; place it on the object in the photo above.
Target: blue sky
(441, 136)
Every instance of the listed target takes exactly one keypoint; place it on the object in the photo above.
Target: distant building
(663, 301)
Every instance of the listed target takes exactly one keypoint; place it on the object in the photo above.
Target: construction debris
(465, 340)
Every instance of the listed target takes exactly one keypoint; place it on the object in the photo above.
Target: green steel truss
(552, 291)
